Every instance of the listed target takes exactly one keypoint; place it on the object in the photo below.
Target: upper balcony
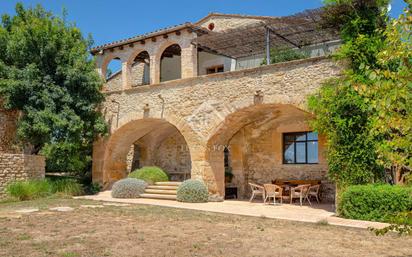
(212, 45)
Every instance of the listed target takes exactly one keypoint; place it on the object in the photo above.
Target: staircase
(161, 190)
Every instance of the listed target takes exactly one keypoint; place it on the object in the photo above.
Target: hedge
(150, 174)
(375, 202)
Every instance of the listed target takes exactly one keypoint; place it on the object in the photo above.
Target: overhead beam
(282, 37)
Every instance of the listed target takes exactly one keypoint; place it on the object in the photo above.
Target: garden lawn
(141, 230)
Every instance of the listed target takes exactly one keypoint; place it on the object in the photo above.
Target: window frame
(306, 141)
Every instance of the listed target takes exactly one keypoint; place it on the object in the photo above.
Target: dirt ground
(138, 230)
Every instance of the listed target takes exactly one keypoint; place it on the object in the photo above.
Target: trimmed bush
(192, 191)
(128, 188)
(66, 186)
(375, 202)
(29, 190)
(150, 174)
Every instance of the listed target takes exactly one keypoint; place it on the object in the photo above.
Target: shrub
(375, 202)
(150, 174)
(192, 191)
(94, 188)
(66, 186)
(29, 190)
(128, 188)
(285, 55)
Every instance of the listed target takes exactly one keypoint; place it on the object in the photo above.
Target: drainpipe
(163, 105)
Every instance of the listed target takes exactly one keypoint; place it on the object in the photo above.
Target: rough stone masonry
(14, 165)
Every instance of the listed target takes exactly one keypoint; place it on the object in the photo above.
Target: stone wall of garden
(14, 165)
(17, 167)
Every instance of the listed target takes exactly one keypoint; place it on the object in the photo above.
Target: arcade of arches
(184, 125)
(248, 142)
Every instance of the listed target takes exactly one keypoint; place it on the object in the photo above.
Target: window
(300, 148)
(214, 69)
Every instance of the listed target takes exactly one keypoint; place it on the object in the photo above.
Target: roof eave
(147, 36)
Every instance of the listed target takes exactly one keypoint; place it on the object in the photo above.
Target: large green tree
(46, 73)
(366, 113)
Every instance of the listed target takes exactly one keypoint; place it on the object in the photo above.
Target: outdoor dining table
(286, 188)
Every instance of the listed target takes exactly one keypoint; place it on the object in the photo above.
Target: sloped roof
(155, 33)
(239, 16)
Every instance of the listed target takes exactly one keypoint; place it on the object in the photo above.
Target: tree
(342, 113)
(390, 94)
(47, 74)
(367, 113)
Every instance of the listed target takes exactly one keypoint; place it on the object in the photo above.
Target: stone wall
(18, 167)
(256, 156)
(207, 107)
(7, 130)
(172, 155)
(137, 78)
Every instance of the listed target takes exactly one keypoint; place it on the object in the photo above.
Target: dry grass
(138, 230)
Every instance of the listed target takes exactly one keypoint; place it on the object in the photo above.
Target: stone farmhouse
(201, 99)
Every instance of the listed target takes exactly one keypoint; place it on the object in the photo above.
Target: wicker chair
(300, 192)
(314, 192)
(273, 191)
(257, 190)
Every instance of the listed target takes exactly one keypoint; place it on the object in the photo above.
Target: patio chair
(257, 190)
(314, 192)
(273, 191)
(300, 192)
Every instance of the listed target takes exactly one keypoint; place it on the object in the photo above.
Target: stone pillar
(210, 168)
(126, 74)
(189, 60)
(155, 68)
(99, 66)
(99, 147)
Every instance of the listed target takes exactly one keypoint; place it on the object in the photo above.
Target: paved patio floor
(314, 214)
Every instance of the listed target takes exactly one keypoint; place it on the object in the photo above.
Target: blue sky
(111, 20)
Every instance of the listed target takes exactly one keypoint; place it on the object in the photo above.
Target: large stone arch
(117, 145)
(283, 117)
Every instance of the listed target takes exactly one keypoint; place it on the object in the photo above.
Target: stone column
(154, 68)
(99, 66)
(126, 74)
(210, 168)
(189, 60)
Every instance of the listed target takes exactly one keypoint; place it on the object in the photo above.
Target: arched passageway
(259, 149)
(146, 142)
(170, 63)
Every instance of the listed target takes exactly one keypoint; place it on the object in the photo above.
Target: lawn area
(141, 230)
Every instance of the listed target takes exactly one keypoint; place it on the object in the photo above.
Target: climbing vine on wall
(353, 110)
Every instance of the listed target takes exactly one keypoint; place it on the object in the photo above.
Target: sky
(112, 20)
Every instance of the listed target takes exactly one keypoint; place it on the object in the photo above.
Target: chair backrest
(303, 189)
(256, 187)
(272, 189)
(314, 189)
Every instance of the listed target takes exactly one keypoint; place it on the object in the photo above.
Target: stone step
(162, 187)
(160, 191)
(168, 183)
(158, 196)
